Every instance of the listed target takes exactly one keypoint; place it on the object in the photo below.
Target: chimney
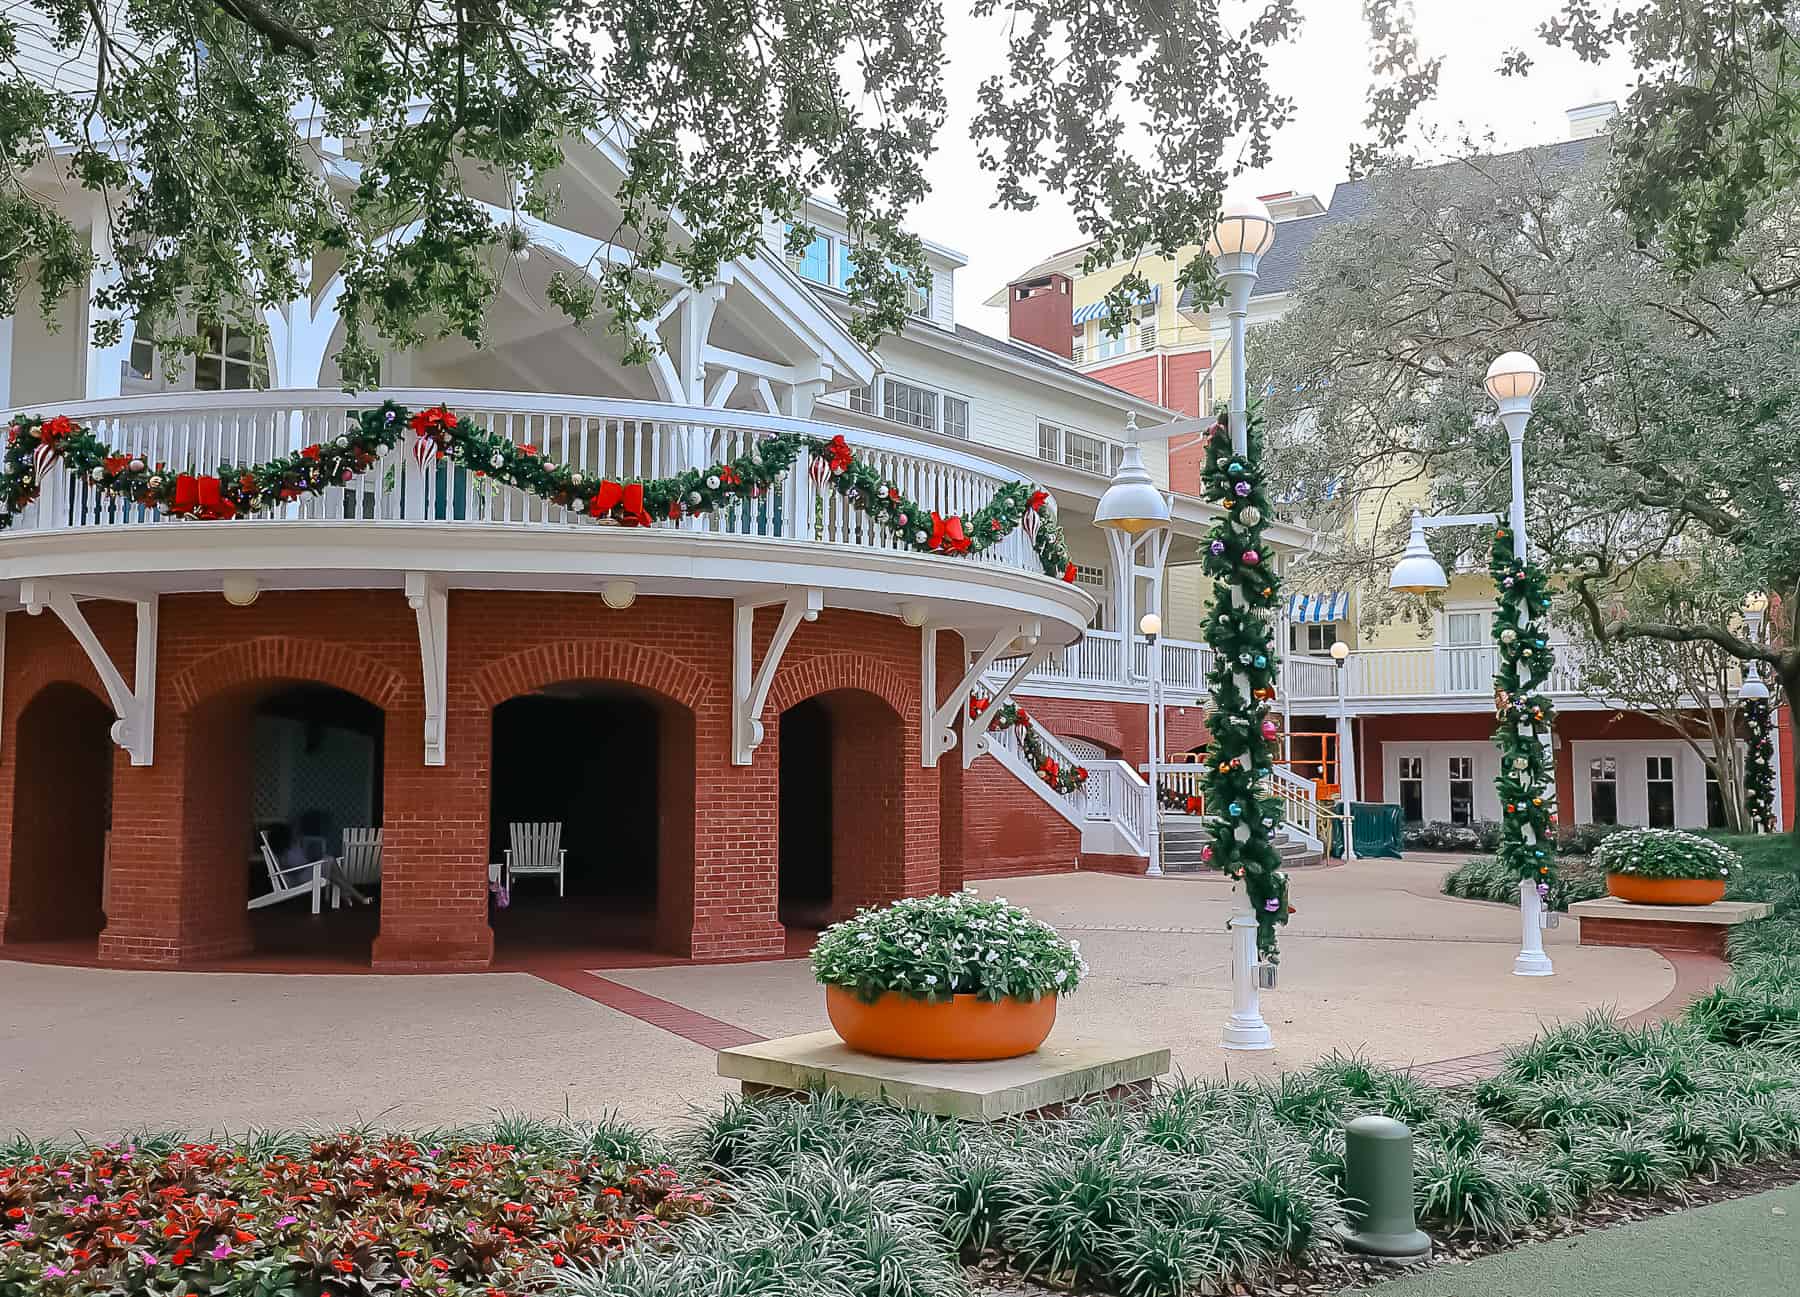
(1040, 311)
(1593, 119)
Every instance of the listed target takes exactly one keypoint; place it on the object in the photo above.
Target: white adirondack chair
(358, 867)
(288, 881)
(537, 849)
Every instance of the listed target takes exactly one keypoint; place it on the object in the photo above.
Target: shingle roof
(1351, 200)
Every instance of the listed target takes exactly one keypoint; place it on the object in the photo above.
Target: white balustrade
(209, 432)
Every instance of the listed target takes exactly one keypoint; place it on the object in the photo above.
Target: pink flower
(287, 1220)
(220, 1252)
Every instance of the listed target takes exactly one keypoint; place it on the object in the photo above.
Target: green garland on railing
(35, 445)
(1523, 716)
(1239, 754)
(1759, 764)
(1064, 779)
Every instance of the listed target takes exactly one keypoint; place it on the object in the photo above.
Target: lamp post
(1135, 516)
(1513, 381)
(1244, 232)
(1753, 689)
(1340, 653)
(1151, 626)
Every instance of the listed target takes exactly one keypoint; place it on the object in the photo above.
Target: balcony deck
(397, 516)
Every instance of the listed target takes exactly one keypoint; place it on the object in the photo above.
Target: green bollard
(1378, 1181)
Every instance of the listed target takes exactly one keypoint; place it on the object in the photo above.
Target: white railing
(1097, 660)
(1184, 780)
(1011, 741)
(1115, 792)
(198, 432)
(1299, 804)
(1465, 670)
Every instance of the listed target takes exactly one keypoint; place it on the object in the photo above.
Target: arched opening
(61, 819)
(298, 766)
(840, 823)
(592, 791)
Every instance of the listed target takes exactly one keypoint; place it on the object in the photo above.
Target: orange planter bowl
(1666, 891)
(963, 1029)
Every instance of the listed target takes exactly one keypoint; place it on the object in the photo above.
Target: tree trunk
(1790, 696)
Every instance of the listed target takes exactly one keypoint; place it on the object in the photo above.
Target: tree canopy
(204, 132)
(1668, 431)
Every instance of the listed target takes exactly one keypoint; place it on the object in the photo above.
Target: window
(1603, 790)
(1659, 789)
(1077, 449)
(845, 267)
(862, 400)
(1316, 637)
(229, 360)
(1715, 802)
(1412, 789)
(1083, 451)
(1093, 580)
(956, 417)
(1107, 345)
(1462, 790)
(142, 364)
(1462, 628)
(916, 407)
(814, 262)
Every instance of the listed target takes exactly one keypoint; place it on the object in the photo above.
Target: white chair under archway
(358, 867)
(536, 849)
(289, 881)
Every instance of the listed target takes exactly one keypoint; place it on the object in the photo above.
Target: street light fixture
(1513, 381)
(1132, 504)
(1753, 689)
(1346, 763)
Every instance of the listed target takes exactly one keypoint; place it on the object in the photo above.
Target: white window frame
(1402, 779)
(1057, 444)
(1316, 636)
(1452, 778)
(152, 377)
(873, 401)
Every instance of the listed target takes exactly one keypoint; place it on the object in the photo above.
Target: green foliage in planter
(1484, 878)
(1665, 853)
(933, 947)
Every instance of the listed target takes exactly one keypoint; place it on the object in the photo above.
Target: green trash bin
(1377, 826)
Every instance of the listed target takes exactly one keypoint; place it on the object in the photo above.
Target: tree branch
(254, 15)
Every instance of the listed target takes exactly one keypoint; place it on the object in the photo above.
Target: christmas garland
(35, 444)
(1239, 754)
(1523, 716)
(1759, 764)
(1181, 803)
(1064, 779)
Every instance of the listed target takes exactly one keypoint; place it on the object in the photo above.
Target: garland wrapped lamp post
(1136, 518)
(1526, 784)
(1759, 760)
(1238, 755)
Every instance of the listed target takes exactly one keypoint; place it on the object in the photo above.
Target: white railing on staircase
(1009, 745)
(1300, 814)
(1116, 793)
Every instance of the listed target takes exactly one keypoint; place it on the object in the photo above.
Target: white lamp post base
(1245, 1029)
(1532, 961)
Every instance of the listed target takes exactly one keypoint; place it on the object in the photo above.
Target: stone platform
(1055, 1074)
(1609, 921)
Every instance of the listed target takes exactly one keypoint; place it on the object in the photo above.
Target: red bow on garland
(1069, 574)
(947, 534)
(199, 497)
(837, 451)
(1037, 501)
(1193, 806)
(55, 429)
(116, 464)
(628, 497)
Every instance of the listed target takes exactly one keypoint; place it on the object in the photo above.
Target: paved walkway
(1374, 960)
(1749, 1247)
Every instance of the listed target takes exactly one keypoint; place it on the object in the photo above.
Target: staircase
(1184, 837)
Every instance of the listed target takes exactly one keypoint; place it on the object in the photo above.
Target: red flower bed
(353, 1216)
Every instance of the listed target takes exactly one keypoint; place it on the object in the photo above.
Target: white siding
(943, 298)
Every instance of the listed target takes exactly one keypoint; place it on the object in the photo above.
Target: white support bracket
(750, 681)
(429, 597)
(135, 728)
(940, 725)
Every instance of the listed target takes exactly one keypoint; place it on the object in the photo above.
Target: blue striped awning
(1094, 310)
(1318, 608)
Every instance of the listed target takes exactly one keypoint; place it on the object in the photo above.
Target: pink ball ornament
(1206, 853)
(1252, 557)
(1269, 729)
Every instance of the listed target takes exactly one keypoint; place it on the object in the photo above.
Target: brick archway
(60, 790)
(553, 663)
(831, 672)
(628, 812)
(273, 658)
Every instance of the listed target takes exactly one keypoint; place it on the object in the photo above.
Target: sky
(1325, 69)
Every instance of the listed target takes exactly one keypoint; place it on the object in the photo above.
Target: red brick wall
(178, 848)
(59, 822)
(1117, 727)
(1008, 830)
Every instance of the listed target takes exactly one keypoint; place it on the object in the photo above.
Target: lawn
(1764, 851)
